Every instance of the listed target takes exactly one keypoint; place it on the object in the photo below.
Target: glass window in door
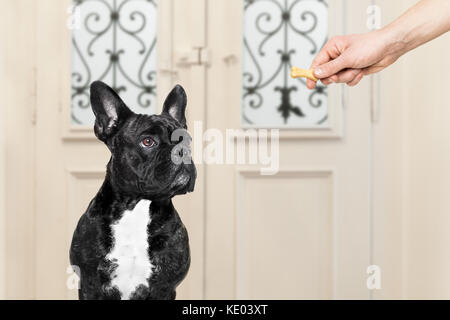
(277, 35)
(113, 41)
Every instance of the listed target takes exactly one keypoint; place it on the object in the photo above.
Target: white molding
(243, 172)
(87, 173)
(83, 133)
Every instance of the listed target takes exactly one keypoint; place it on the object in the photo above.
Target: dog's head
(150, 154)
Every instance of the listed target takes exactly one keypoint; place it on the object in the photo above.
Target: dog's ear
(110, 111)
(175, 104)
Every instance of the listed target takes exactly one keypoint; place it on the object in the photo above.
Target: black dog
(131, 243)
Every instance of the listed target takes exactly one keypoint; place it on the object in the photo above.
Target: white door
(304, 232)
(75, 46)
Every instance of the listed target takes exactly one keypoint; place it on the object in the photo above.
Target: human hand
(347, 59)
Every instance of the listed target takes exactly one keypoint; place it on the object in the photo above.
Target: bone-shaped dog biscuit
(302, 73)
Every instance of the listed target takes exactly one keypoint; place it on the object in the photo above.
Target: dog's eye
(148, 142)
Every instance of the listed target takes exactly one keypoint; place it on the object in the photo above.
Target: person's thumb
(330, 68)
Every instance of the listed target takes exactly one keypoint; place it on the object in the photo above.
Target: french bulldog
(131, 243)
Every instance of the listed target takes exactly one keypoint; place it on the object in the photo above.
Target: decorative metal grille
(277, 35)
(114, 41)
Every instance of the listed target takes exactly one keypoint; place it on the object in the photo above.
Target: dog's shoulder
(87, 238)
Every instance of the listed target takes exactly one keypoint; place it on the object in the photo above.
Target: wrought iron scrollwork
(275, 23)
(112, 29)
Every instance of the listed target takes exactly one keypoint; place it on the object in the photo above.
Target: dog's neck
(110, 201)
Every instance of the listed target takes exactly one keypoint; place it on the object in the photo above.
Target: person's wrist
(394, 40)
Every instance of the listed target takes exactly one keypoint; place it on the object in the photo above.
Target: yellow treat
(302, 73)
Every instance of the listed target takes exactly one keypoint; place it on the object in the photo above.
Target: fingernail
(317, 72)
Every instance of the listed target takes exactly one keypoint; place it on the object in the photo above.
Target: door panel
(71, 162)
(320, 197)
(272, 245)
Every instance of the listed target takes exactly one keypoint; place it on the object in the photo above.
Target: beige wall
(2, 176)
(426, 109)
(388, 163)
(411, 170)
(17, 104)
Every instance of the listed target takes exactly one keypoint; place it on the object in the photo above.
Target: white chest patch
(130, 250)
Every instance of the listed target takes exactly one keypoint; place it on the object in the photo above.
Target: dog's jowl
(130, 243)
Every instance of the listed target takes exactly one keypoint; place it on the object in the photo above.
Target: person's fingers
(351, 77)
(310, 84)
(372, 69)
(330, 68)
(346, 76)
(328, 52)
(322, 57)
(326, 81)
(355, 81)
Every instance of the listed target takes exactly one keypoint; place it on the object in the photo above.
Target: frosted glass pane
(277, 35)
(113, 41)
